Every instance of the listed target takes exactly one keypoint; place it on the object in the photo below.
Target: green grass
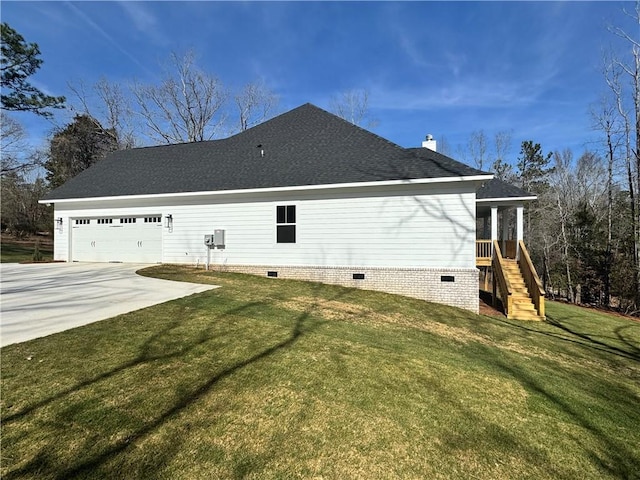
(267, 379)
(15, 252)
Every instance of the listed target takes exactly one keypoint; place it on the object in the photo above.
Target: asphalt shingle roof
(305, 146)
(496, 188)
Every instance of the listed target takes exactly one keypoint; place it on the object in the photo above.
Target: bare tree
(111, 109)
(117, 112)
(185, 107)
(502, 144)
(575, 187)
(605, 119)
(627, 100)
(444, 147)
(478, 152)
(255, 103)
(477, 147)
(17, 157)
(13, 141)
(353, 106)
(21, 214)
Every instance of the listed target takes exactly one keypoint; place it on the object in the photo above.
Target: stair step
(521, 300)
(525, 317)
(524, 306)
(520, 289)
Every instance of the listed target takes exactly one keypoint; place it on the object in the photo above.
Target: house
(305, 195)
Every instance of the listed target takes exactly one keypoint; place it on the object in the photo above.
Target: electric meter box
(208, 240)
(218, 238)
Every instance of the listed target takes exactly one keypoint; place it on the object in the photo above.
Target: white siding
(61, 237)
(396, 226)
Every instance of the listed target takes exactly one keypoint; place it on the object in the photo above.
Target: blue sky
(445, 68)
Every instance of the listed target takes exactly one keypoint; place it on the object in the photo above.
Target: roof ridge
(164, 145)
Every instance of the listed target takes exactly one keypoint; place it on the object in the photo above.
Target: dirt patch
(335, 310)
(329, 309)
(486, 309)
(486, 305)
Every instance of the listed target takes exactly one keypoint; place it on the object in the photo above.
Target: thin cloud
(106, 36)
(467, 93)
(53, 15)
(144, 21)
(409, 48)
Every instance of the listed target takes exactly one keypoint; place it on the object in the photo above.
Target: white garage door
(117, 239)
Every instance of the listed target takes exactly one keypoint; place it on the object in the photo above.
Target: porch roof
(498, 193)
(496, 190)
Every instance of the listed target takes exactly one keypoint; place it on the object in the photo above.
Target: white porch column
(519, 227)
(494, 223)
(520, 223)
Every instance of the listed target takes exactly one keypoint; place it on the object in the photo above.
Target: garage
(133, 239)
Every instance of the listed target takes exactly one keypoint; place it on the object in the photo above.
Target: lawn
(13, 250)
(266, 378)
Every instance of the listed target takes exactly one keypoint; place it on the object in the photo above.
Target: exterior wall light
(59, 223)
(168, 222)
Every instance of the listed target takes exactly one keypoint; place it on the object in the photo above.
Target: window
(103, 221)
(152, 219)
(286, 224)
(82, 221)
(127, 220)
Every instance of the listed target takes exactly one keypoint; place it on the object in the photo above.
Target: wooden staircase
(522, 306)
(517, 284)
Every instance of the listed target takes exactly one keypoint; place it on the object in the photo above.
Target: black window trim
(287, 229)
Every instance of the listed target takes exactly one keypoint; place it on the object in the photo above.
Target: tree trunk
(609, 253)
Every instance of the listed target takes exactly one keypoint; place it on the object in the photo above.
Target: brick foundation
(457, 287)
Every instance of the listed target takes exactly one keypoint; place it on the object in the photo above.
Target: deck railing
(483, 253)
(501, 282)
(531, 279)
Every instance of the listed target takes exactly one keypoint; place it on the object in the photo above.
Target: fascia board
(506, 199)
(418, 181)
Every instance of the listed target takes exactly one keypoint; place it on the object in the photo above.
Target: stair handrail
(497, 265)
(531, 279)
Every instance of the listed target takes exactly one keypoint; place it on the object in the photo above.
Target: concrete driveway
(41, 299)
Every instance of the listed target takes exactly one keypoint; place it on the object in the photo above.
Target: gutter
(333, 186)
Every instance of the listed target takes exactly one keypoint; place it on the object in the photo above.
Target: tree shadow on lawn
(504, 452)
(616, 457)
(632, 354)
(581, 339)
(633, 347)
(147, 354)
(42, 464)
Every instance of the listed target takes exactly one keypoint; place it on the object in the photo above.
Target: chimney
(429, 143)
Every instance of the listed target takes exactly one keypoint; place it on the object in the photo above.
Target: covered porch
(500, 217)
(505, 267)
